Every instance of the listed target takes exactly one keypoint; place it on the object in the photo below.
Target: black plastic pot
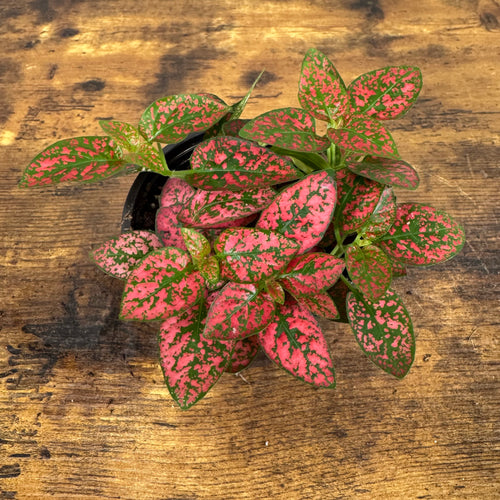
(142, 202)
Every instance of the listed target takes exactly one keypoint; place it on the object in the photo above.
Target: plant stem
(348, 283)
(162, 158)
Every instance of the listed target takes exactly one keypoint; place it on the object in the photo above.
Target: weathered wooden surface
(83, 411)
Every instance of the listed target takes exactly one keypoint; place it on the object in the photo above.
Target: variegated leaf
(422, 236)
(382, 217)
(231, 163)
(384, 331)
(386, 93)
(357, 200)
(321, 87)
(398, 270)
(249, 255)
(289, 128)
(162, 284)
(80, 159)
(174, 117)
(275, 291)
(176, 192)
(168, 227)
(311, 273)
(208, 209)
(364, 136)
(319, 303)
(210, 270)
(386, 171)
(120, 255)
(233, 127)
(244, 352)
(238, 311)
(197, 245)
(139, 151)
(302, 211)
(295, 342)
(191, 363)
(370, 270)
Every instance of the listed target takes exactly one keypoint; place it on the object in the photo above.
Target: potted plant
(273, 224)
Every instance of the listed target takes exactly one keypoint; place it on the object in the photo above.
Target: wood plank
(83, 409)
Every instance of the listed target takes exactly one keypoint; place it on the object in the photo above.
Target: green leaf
(198, 246)
(288, 128)
(422, 236)
(382, 217)
(370, 270)
(80, 159)
(321, 89)
(383, 330)
(140, 152)
(385, 93)
(174, 117)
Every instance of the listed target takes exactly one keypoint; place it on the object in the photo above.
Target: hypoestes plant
(274, 224)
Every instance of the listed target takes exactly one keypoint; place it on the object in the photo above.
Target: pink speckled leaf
(311, 273)
(366, 136)
(386, 93)
(370, 270)
(175, 194)
(238, 311)
(233, 127)
(382, 217)
(249, 255)
(80, 159)
(386, 171)
(231, 163)
(321, 87)
(244, 353)
(422, 236)
(139, 151)
(196, 243)
(168, 227)
(302, 211)
(210, 270)
(289, 128)
(191, 363)
(319, 303)
(173, 118)
(162, 284)
(208, 209)
(120, 255)
(398, 270)
(384, 331)
(275, 291)
(295, 342)
(357, 199)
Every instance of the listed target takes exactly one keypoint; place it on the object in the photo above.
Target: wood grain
(83, 409)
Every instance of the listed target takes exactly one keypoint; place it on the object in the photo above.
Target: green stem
(162, 158)
(348, 283)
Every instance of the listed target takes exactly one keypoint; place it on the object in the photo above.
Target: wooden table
(83, 409)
